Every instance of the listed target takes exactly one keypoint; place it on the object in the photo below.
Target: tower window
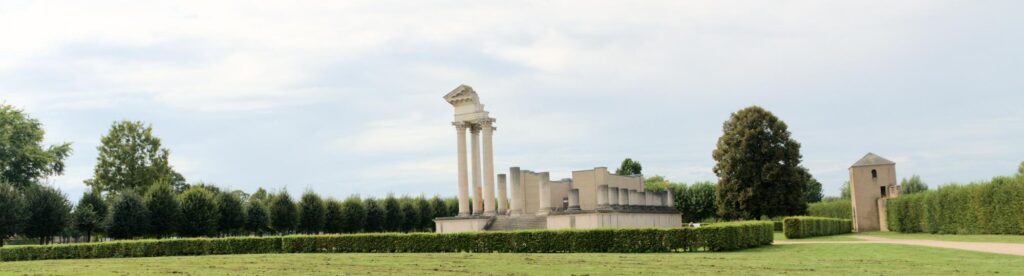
(883, 190)
(874, 174)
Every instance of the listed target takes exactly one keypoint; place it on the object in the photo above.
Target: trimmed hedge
(840, 209)
(718, 237)
(804, 227)
(994, 207)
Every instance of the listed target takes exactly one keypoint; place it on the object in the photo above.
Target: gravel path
(990, 247)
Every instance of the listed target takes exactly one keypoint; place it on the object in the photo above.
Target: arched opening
(874, 174)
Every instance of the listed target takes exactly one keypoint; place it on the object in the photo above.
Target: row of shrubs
(805, 227)
(993, 207)
(719, 237)
(839, 208)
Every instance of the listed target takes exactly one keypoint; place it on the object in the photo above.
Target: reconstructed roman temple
(526, 199)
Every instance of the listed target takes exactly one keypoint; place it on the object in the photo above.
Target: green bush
(804, 227)
(993, 207)
(840, 209)
(718, 237)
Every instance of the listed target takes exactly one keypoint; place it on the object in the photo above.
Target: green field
(777, 259)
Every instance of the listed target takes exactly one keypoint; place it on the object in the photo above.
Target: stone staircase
(507, 223)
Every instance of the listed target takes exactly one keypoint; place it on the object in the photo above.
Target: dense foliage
(128, 217)
(629, 167)
(805, 227)
(696, 202)
(164, 210)
(311, 213)
(839, 208)
(912, 185)
(130, 157)
(758, 166)
(283, 213)
(12, 211)
(199, 213)
(49, 212)
(719, 237)
(257, 217)
(992, 207)
(23, 158)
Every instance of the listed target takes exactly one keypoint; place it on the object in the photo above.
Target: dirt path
(990, 247)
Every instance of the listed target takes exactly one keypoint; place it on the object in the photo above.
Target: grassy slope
(790, 259)
(963, 238)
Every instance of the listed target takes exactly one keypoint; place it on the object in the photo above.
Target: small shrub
(804, 227)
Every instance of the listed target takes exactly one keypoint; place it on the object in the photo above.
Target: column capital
(461, 126)
(486, 124)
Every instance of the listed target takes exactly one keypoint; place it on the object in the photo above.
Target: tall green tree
(393, 216)
(844, 191)
(95, 199)
(232, 213)
(758, 167)
(130, 157)
(656, 183)
(311, 213)
(129, 217)
(200, 214)
(374, 215)
(23, 158)
(334, 218)
(1020, 170)
(426, 214)
(410, 216)
(49, 213)
(629, 167)
(164, 210)
(696, 202)
(13, 211)
(283, 213)
(85, 220)
(257, 217)
(354, 214)
(440, 209)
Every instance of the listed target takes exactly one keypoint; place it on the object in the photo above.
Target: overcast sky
(345, 98)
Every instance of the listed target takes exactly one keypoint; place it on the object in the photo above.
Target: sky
(344, 97)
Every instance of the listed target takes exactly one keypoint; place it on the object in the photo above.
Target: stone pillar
(488, 133)
(602, 197)
(642, 196)
(502, 195)
(516, 207)
(652, 200)
(634, 199)
(613, 197)
(670, 200)
(545, 195)
(460, 130)
(623, 198)
(478, 202)
(574, 200)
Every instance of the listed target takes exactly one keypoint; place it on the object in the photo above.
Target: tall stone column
(574, 200)
(478, 202)
(613, 197)
(516, 208)
(460, 130)
(502, 195)
(488, 133)
(670, 200)
(602, 197)
(545, 195)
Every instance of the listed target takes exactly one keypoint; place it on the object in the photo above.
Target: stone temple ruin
(592, 198)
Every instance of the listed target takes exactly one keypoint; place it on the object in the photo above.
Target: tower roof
(872, 159)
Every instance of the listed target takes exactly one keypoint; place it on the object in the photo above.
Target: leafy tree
(374, 216)
(629, 167)
(912, 185)
(311, 213)
(656, 183)
(334, 219)
(13, 211)
(812, 191)
(1020, 170)
(85, 220)
(164, 210)
(452, 204)
(696, 202)
(283, 214)
(758, 166)
(232, 213)
(426, 214)
(393, 216)
(262, 196)
(49, 213)
(23, 158)
(844, 191)
(130, 157)
(440, 209)
(410, 216)
(354, 213)
(95, 200)
(128, 217)
(257, 217)
(199, 213)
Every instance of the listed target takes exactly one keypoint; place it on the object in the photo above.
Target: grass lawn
(777, 259)
(963, 238)
(844, 237)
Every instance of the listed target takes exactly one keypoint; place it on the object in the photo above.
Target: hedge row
(804, 227)
(994, 207)
(840, 209)
(719, 237)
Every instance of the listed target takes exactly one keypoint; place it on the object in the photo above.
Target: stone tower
(872, 180)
